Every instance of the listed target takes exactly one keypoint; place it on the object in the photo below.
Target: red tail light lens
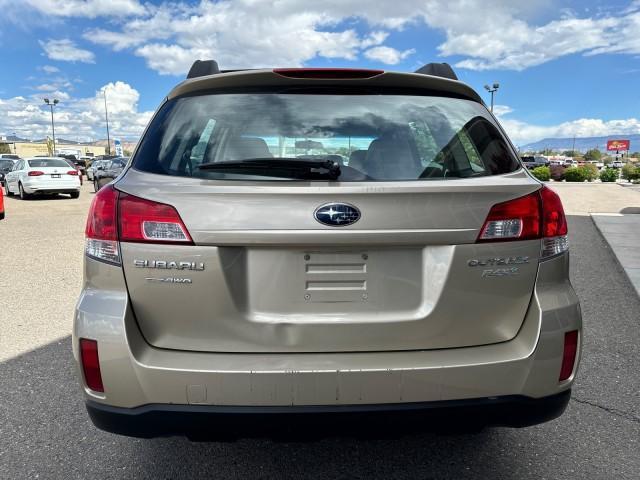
(35, 173)
(91, 364)
(150, 222)
(101, 223)
(554, 222)
(537, 215)
(569, 354)
(72, 172)
(116, 216)
(517, 219)
(342, 73)
(102, 229)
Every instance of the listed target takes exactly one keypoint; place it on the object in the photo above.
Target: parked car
(6, 164)
(79, 163)
(617, 164)
(107, 170)
(599, 165)
(1, 205)
(10, 156)
(76, 167)
(532, 162)
(42, 175)
(230, 285)
(91, 170)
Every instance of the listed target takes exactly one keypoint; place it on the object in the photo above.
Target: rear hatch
(382, 256)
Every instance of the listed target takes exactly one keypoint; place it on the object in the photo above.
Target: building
(30, 149)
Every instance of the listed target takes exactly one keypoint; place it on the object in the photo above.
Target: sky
(565, 68)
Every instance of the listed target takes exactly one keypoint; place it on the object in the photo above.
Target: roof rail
(443, 70)
(201, 68)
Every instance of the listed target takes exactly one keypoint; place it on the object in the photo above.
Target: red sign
(618, 145)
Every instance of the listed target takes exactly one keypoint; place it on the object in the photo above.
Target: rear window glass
(371, 137)
(48, 162)
(117, 164)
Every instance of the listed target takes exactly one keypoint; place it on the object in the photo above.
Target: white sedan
(39, 175)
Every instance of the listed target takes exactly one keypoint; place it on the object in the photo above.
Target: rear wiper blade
(279, 167)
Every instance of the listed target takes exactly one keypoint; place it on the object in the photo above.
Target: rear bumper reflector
(91, 364)
(569, 354)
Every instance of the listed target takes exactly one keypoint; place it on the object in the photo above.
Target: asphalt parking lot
(45, 433)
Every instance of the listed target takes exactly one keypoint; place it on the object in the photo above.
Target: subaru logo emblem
(337, 214)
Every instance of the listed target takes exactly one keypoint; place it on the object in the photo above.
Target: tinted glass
(48, 162)
(373, 137)
(6, 165)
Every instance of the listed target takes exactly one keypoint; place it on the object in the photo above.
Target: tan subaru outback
(293, 244)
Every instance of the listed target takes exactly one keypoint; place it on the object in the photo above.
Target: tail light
(118, 217)
(102, 229)
(35, 173)
(569, 354)
(327, 73)
(72, 172)
(142, 220)
(91, 364)
(537, 215)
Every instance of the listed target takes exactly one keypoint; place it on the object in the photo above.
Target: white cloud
(76, 118)
(49, 69)
(387, 55)
(499, 110)
(522, 132)
(87, 8)
(66, 50)
(254, 33)
(244, 33)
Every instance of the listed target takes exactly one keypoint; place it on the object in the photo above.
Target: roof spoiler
(201, 68)
(443, 70)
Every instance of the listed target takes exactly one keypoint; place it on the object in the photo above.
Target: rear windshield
(118, 163)
(371, 137)
(48, 162)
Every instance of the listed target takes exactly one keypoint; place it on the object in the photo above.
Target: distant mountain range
(126, 145)
(582, 144)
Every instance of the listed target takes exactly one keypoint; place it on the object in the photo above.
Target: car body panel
(258, 290)
(136, 373)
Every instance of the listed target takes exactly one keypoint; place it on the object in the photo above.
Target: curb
(635, 283)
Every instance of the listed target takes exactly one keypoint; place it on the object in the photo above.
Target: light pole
(492, 90)
(51, 104)
(106, 118)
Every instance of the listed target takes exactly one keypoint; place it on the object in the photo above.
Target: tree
(593, 154)
(546, 151)
(571, 153)
(4, 148)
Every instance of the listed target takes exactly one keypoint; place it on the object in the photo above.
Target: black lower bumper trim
(228, 422)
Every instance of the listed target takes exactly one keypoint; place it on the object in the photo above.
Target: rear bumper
(55, 187)
(148, 384)
(206, 421)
